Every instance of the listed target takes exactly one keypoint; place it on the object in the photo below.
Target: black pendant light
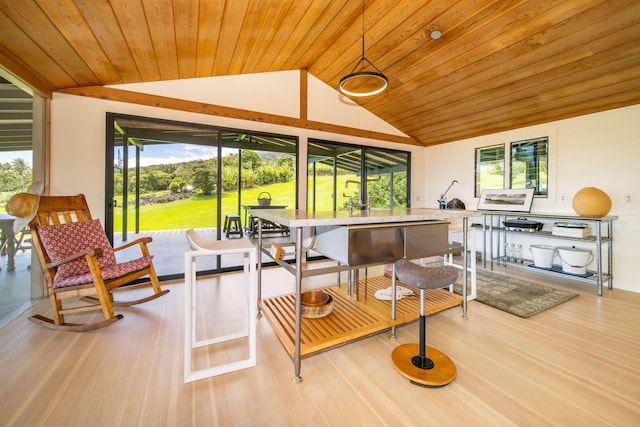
(373, 82)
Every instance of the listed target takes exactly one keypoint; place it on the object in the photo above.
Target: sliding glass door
(21, 165)
(163, 178)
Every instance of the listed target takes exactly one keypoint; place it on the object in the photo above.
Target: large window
(527, 166)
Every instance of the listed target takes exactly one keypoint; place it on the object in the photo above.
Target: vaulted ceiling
(499, 65)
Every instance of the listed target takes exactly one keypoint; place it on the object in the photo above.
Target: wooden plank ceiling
(499, 65)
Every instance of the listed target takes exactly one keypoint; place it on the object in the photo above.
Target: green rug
(515, 296)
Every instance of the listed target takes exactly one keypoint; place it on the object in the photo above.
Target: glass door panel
(176, 176)
(163, 183)
(386, 183)
(19, 166)
(265, 171)
(334, 176)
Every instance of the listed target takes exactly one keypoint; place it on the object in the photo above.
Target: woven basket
(264, 201)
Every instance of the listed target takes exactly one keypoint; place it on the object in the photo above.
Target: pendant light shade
(362, 81)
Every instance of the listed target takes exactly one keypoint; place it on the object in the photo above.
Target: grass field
(199, 211)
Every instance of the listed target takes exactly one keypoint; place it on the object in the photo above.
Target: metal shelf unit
(602, 240)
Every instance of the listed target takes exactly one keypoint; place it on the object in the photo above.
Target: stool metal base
(442, 373)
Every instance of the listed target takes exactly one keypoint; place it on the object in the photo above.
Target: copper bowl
(314, 298)
(316, 304)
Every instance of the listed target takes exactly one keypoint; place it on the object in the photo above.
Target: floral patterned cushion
(112, 272)
(63, 240)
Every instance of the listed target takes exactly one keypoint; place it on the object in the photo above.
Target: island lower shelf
(590, 276)
(351, 318)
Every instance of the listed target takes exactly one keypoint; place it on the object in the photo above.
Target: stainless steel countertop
(298, 218)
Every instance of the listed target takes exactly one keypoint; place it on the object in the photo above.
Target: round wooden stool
(421, 364)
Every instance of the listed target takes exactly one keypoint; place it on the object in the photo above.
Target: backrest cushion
(63, 240)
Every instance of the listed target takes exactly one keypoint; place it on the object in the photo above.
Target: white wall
(597, 150)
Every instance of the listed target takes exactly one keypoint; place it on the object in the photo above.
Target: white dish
(386, 294)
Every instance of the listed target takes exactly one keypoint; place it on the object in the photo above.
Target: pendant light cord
(357, 75)
(362, 29)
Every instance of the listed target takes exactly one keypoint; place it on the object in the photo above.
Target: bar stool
(202, 247)
(232, 225)
(424, 365)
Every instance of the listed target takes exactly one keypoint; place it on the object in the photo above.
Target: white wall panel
(596, 150)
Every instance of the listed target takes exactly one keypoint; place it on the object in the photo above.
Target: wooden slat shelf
(351, 319)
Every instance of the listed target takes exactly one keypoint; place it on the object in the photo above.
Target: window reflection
(529, 163)
(489, 168)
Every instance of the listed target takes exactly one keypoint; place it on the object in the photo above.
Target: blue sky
(9, 156)
(151, 155)
(175, 153)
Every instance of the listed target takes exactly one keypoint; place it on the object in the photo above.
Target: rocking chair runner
(79, 262)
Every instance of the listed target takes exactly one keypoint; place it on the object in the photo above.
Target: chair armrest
(140, 241)
(89, 252)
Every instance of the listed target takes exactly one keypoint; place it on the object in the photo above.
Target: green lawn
(199, 211)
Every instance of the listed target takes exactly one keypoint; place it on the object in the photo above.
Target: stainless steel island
(360, 239)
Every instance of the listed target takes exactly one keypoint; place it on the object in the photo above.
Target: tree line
(15, 176)
(201, 175)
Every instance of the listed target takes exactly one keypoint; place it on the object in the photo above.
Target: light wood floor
(577, 364)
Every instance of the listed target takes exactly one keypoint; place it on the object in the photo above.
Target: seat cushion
(112, 272)
(412, 274)
(63, 240)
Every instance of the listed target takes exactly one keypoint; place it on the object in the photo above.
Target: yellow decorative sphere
(591, 201)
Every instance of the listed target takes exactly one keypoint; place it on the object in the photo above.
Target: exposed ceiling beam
(120, 95)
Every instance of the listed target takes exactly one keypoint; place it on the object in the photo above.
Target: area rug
(515, 296)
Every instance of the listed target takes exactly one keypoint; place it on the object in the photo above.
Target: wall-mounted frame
(512, 200)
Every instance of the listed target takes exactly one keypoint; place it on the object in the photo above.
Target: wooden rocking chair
(79, 262)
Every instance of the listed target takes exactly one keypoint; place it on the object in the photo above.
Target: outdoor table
(267, 226)
(6, 225)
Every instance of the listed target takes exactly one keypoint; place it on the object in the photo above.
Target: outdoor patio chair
(23, 242)
(80, 263)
